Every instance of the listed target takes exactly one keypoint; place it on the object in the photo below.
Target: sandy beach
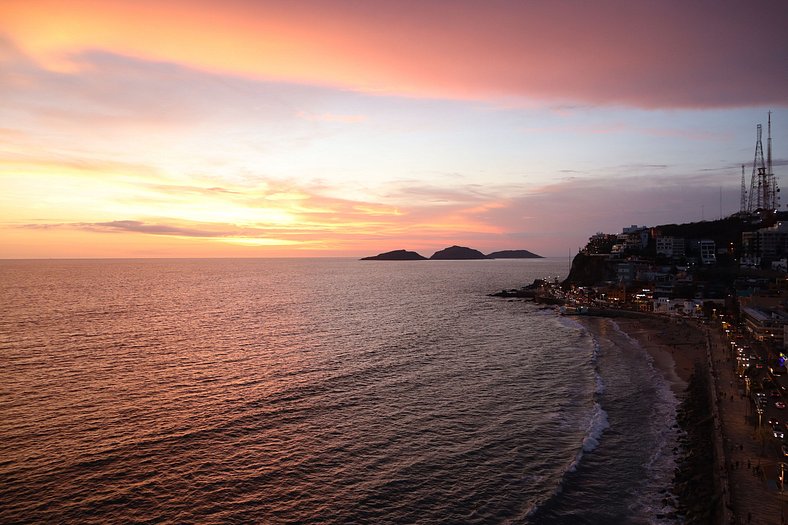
(674, 346)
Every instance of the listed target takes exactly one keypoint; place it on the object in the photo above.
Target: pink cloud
(645, 54)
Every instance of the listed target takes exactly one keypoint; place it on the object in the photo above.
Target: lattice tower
(774, 190)
(759, 182)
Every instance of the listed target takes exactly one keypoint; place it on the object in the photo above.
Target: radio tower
(743, 206)
(774, 195)
(764, 193)
(759, 182)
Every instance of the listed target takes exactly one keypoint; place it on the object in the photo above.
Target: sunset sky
(348, 128)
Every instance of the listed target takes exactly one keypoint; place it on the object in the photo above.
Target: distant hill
(513, 254)
(457, 253)
(396, 255)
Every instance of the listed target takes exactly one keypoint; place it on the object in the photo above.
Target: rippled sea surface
(316, 391)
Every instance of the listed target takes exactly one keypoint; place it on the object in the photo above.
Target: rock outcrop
(588, 270)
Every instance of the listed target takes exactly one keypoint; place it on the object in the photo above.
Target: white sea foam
(649, 498)
(598, 421)
(600, 385)
(596, 427)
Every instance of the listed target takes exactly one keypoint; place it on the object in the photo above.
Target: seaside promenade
(751, 454)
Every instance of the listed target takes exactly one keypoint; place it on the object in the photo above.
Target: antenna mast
(769, 147)
(759, 180)
(743, 204)
(774, 189)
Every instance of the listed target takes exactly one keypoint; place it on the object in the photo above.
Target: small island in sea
(396, 255)
(452, 253)
(513, 254)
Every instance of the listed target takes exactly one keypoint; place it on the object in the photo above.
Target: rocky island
(513, 254)
(453, 253)
(396, 255)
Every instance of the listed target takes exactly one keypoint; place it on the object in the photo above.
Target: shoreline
(678, 350)
(674, 347)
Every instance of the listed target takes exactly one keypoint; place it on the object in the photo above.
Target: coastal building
(766, 243)
(635, 237)
(663, 290)
(654, 274)
(765, 325)
(625, 272)
(750, 261)
(707, 250)
(672, 247)
(663, 305)
(780, 265)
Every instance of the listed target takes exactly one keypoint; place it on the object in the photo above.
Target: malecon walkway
(752, 457)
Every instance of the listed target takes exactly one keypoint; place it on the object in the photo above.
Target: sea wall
(695, 482)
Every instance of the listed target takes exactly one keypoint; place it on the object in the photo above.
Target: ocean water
(319, 391)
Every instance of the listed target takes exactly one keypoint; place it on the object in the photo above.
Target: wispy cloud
(331, 117)
(155, 229)
(65, 163)
(172, 228)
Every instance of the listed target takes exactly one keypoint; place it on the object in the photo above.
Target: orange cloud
(654, 54)
(84, 207)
